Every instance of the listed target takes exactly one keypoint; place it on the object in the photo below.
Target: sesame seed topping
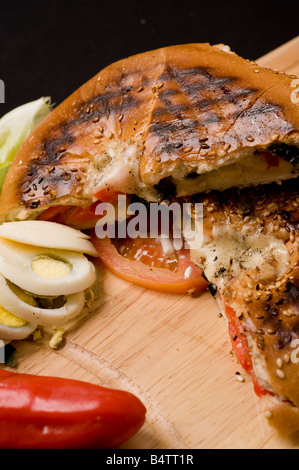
(286, 358)
(279, 363)
(250, 138)
(268, 414)
(280, 374)
(239, 377)
(274, 137)
(271, 331)
(260, 331)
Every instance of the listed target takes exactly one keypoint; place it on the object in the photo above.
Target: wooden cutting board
(172, 351)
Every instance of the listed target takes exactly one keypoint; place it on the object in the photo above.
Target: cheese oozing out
(229, 252)
(248, 170)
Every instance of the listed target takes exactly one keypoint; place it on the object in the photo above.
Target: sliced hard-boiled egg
(44, 316)
(13, 327)
(45, 271)
(21, 332)
(48, 235)
(9, 319)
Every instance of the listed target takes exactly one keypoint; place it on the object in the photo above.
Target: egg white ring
(20, 332)
(15, 265)
(43, 316)
(49, 235)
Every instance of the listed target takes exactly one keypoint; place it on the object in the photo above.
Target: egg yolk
(9, 319)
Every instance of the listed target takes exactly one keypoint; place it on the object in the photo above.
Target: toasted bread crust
(184, 108)
(282, 415)
(267, 306)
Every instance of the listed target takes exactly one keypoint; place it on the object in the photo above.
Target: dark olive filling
(166, 188)
(290, 153)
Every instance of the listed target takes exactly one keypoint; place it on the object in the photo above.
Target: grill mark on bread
(189, 88)
(111, 102)
(52, 147)
(191, 85)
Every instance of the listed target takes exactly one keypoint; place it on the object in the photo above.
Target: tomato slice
(241, 348)
(55, 214)
(106, 195)
(81, 215)
(151, 270)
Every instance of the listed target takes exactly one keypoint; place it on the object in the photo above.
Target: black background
(50, 47)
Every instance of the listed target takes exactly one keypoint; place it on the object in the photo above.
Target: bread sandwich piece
(170, 122)
(250, 255)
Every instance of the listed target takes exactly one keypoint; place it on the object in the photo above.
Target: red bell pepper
(51, 412)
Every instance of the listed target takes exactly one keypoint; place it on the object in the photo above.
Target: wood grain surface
(172, 351)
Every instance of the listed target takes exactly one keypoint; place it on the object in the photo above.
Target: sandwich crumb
(268, 414)
(56, 338)
(239, 377)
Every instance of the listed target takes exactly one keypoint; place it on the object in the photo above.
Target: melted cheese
(229, 252)
(118, 169)
(251, 169)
